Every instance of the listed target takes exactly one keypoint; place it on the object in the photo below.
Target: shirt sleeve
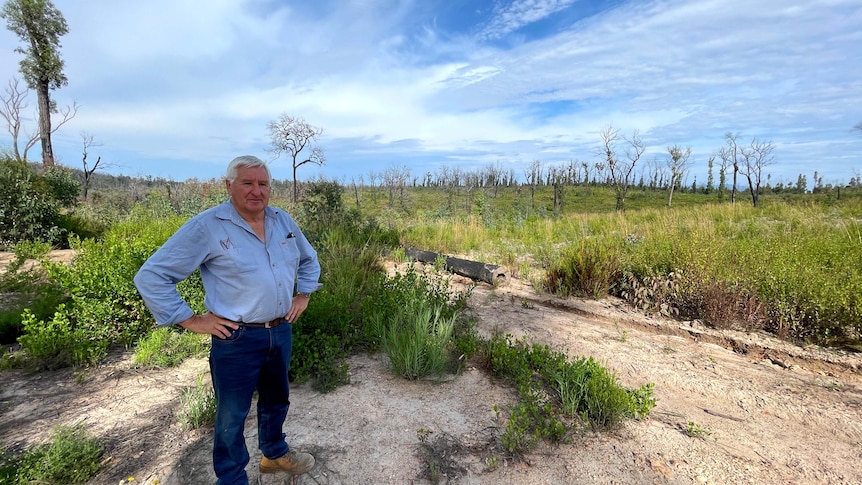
(308, 270)
(175, 261)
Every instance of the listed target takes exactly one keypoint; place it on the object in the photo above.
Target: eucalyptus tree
(755, 157)
(292, 136)
(620, 166)
(747, 160)
(677, 163)
(39, 24)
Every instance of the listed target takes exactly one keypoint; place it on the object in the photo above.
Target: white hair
(249, 161)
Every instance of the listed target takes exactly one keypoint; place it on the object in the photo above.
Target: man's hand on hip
(209, 323)
(300, 303)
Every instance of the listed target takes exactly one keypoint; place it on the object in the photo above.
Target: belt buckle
(268, 324)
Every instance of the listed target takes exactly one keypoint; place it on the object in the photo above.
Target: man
(251, 258)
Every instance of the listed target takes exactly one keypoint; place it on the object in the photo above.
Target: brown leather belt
(270, 324)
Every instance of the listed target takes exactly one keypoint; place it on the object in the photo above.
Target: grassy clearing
(788, 267)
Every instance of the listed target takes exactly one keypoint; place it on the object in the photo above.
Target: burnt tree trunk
(476, 270)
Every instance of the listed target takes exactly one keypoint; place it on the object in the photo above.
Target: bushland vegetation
(787, 266)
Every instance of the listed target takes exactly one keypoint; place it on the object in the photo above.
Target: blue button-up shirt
(245, 279)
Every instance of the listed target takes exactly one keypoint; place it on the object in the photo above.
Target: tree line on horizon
(741, 166)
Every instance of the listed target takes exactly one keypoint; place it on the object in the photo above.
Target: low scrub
(71, 457)
(557, 395)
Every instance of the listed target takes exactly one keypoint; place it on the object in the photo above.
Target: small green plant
(71, 457)
(492, 462)
(423, 434)
(59, 343)
(623, 335)
(697, 431)
(198, 405)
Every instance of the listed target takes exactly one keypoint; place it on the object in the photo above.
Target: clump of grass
(416, 339)
(590, 268)
(72, 456)
(413, 318)
(198, 405)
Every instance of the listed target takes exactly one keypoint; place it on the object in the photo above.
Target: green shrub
(71, 457)
(169, 347)
(104, 308)
(28, 209)
(57, 342)
(58, 183)
(332, 325)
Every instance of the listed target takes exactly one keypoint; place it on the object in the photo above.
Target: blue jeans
(249, 359)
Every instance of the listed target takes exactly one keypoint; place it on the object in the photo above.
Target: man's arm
(173, 262)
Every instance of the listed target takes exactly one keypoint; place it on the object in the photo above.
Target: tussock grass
(198, 405)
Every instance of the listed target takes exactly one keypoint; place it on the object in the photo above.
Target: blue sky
(176, 88)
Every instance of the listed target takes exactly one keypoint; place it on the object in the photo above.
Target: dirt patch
(58, 256)
(768, 412)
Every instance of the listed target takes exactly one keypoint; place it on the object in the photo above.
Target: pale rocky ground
(772, 413)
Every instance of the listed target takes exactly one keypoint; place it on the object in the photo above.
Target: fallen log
(475, 270)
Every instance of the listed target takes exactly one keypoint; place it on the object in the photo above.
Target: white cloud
(511, 17)
(192, 78)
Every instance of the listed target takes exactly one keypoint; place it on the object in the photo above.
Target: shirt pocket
(242, 259)
(289, 251)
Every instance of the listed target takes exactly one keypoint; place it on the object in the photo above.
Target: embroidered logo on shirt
(225, 243)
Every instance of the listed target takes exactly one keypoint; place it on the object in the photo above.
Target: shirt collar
(227, 211)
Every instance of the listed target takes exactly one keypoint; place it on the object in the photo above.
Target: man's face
(249, 192)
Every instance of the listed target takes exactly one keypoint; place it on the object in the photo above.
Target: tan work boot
(293, 463)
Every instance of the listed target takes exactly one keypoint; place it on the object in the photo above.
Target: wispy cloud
(426, 82)
(510, 17)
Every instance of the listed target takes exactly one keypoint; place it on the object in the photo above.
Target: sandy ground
(771, 413)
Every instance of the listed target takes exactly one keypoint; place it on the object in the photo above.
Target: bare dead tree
(558, 179)
(89, 142)
(356, 183)
(677, 163)
(533, 175)
(396, 178)
(729, 154)
(293, 135)
(14, 103)
(620, 168)
(754, 157)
